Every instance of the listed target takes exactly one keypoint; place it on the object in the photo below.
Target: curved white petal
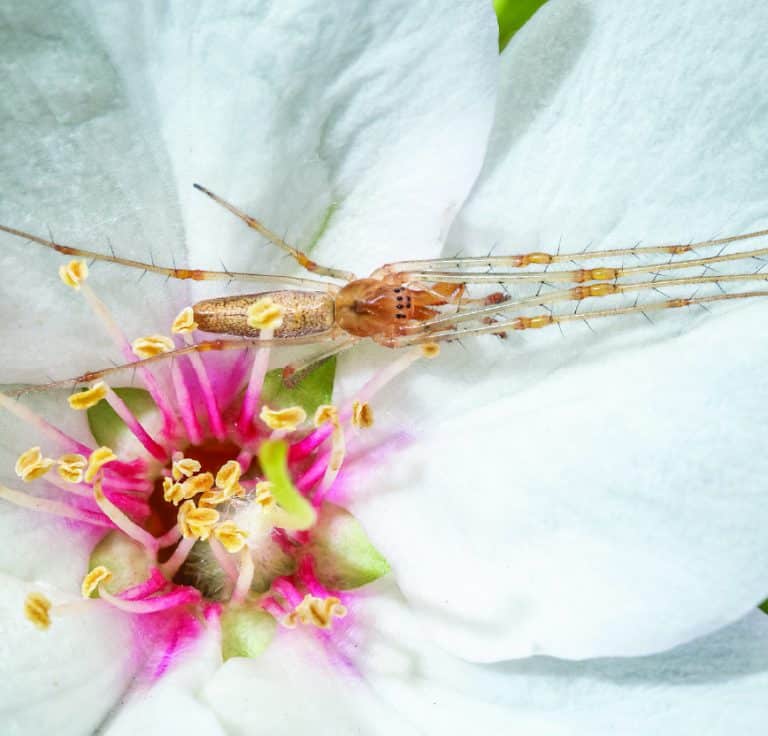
(364, 123)
(79, 162)
(66, 679)
(586, 495)
(388, 679)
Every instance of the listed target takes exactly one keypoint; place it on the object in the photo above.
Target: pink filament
(141, 434)
(186, 405)
(253, 392)
(156, 581)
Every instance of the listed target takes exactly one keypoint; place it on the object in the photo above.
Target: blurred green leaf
(764, 606)
(512, 16)
(312, 389)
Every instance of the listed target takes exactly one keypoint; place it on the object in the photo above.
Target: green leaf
(512, 16)
(125, 558)
(312, 389)
(298, 513)
(245, 632)
(344, 556)
(764, 606)
(106, 427)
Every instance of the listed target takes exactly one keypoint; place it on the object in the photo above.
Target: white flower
(565, 496)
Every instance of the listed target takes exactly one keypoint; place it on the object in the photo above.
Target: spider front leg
(301, 258)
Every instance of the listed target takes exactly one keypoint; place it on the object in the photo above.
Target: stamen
(245, 578)
(156, 581)
(255, 383)
(172, 492)
(98, 459)
(197, 484)
(225, 560)
(94, 579)
(121, 521)
(74, 273)
(149, 379)
(196, 522)
(173, 564)
(264, 496)
(184, 322)
(283, 419)
(24, 413)
(209, 395)
(32, 465)
(324, 414)
(57, 508)
(71, 467)
(181, 596)
(186, 404)
(265, 314)
(185, 467)
(141, 434)
(37, 610)
(318, 612)
(228, 476)
(148, 347)
(83, 400)
(214, 497)
(231, 536)
(362, 415)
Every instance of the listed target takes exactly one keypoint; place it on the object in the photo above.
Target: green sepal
(125, 558)
(106, 427)
(298, 513)
(512, 16)
(344, 556)
(313, 388)
(245, 632)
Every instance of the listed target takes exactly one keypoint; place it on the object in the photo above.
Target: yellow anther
(231, 536)
(185, 468)
(314, 611)
(32, 465)
(265, 314)
(283, 418)
(196, 522)
(74, 273)
(197, 484)
(263, 495)
(98, 459)
(71, 467)
(152, 345)
(93, 579)
(326, 413)
(90, 397)
(172, 492)
(184, 322)
(430, 350)
(362, 415)
(37, 609)
(214, 497)
(229, 475)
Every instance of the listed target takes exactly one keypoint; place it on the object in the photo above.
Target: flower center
(227, 511)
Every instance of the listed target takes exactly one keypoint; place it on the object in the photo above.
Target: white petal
(613, 508)
(63, 680)
(78, 159)
(394, 681)
(608, 499)
(172, 704)
(365, 121)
